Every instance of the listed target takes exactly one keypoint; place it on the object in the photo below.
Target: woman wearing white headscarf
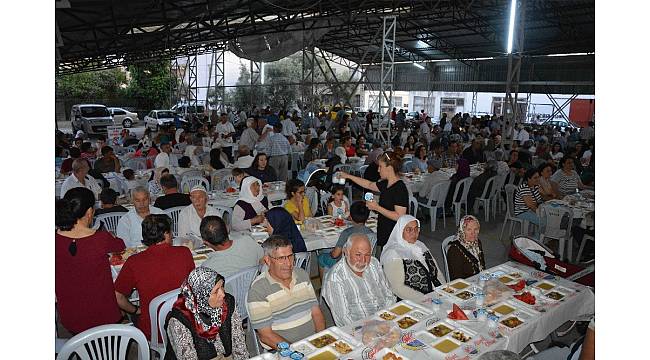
(250, 206)
(465, 254)
(408, 264)
(340, 151)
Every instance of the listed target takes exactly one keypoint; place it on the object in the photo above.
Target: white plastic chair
(510, 214)
(361, 170)
(190, 173)
(445, 247)
(225, 213)
(238, 285)
(413, 206)
(189, 182)
(256, 341)
(136, 164)
(486, 197)
(217, 177)
(105, 342)
(551, 219)
(464, 184)
(173, 213)
(496, 195)
(324, 198)
(303, 260)
(154, 311)
(165, 309)
(585, 238)
(435, 201)
(407, 166)
(110, 221)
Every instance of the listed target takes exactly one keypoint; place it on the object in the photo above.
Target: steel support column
(559, 109)
(387, 67)
(192, 84)
(256, 77)
(307, 87)
(219, 79)
(514, 65)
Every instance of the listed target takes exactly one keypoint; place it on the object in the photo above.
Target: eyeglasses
(412, 229)
(283, 258)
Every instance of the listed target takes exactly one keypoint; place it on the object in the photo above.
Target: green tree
(150, 84)
(102, 84)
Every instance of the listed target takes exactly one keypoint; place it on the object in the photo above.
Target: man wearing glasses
(282, 303)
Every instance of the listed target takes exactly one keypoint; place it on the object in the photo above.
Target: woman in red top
(346, 142)
(83, 283)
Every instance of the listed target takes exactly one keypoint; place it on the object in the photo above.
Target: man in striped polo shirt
(282, 303)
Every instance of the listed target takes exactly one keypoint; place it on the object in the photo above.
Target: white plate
(503, 303)
(385, 351)
(445, 339)
(304, 347)
(508, 317)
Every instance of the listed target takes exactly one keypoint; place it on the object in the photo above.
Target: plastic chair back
(105, 342)
(154, 309)
(343, 167)
(165, 309)
(556, 220)
(324, 201)
(462, 187)
(136, 164)
(173, 213)
(510, 200)
(302, 260)
(407, 166)
(442, 189)
(362, 170)
(238, 285)
(190, 173)
(413, 206)
(218, 176)
(445, 247)
(110, 221)
(189, 182)
(489, 188)
(225, 213)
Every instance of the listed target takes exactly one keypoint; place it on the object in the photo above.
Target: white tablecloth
(539, 320)
(416, 182)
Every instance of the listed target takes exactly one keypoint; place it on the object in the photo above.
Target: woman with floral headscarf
(204, 322)
(465, 254)
(408, 264)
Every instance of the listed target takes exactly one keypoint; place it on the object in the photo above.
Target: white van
(91, 118)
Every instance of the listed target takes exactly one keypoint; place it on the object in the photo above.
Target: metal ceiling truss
(98, 35)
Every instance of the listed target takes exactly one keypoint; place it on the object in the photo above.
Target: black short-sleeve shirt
(389, 197)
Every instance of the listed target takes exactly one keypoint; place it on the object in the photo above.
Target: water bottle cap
(283, 345)
(368, 196)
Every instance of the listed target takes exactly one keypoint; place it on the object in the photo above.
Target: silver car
(159, 118)
(124, 117)
(92, 119)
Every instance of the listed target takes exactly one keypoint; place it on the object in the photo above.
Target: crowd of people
(378, 269)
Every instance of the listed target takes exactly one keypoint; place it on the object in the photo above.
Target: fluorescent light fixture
(262, 73)
(572, 54)
(418, 66)
(511, 26)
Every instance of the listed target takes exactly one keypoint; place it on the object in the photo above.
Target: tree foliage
(102, 84)
(150, 84)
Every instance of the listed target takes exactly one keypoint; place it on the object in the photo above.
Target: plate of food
(449, 290)
(503, 309)
(459, 285)
(512, 322)
(325, 354)
(342, 347)
(461, 335)
(388, 354)
(384, 315)
(446, 346)
(555, 295)
(465, 295)
(506, 279)
(406, 322)
(380, 334)
(400, 309)
(545, 285)
(199, 257)
(303, 347)
(439, 330)
(323, 339)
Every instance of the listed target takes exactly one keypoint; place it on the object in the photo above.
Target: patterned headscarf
(193, 302)
(473, 248)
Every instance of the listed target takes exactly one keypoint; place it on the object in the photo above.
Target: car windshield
(165, 114)
(94, 111)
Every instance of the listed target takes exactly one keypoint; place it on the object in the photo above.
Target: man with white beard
(356, 287)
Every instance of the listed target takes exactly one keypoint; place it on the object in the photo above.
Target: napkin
(526, 297)
(457, 313)
(518, 286)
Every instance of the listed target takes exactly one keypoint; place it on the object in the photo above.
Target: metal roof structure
(100, 34)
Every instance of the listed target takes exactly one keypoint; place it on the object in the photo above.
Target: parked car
(563, 124)
(159, 118)
(183, 109)
(92, 119)
(412, 115)
(124, 117)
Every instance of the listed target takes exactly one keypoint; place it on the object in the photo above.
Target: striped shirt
(522, 191)
(286, 310)
(351, 297)
(278, 145)
(567, 184)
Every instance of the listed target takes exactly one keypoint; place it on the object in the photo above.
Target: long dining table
(422, 329)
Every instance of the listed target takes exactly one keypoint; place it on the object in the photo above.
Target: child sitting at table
(338, 205)
(131, 182)
(359, 214)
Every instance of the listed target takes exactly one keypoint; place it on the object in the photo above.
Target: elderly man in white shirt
(288, 127)
(356, 286)
(245, 160)
(129, 227)
(80, 178)
(249, 137)
(189, 219)
(162, 159)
